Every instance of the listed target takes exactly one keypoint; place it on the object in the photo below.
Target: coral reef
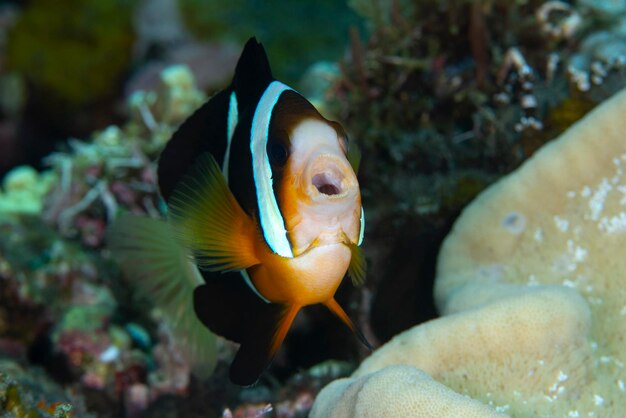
(442, 88)
(23, 190)
(531, 287)
(115, 169)
(31, 394)
(61, 297)
(443, 98)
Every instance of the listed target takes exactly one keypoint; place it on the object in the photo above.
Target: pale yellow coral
(396, 391)
(532, 283)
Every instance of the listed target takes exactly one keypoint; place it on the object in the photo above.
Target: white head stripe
(233, 119)
(272, 221)
(362, 230)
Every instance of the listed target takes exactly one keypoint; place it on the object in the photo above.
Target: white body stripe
(271, 219)
(233, 119)
(362, 230)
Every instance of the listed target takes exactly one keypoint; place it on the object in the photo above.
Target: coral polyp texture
(531, 282)
(405, 390)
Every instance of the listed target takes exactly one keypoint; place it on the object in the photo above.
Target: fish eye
(277, 153)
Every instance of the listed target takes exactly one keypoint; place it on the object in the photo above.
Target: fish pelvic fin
(209, 221)
(335, 308)
(157, 266)
(358, 265)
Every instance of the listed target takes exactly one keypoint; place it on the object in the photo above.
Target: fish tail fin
(335, 308)
(159, 267)
(228, 307)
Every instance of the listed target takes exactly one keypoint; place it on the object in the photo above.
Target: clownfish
(264, 216)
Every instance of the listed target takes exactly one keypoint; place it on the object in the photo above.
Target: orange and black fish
(263, 199)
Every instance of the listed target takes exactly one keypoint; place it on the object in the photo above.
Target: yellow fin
(354, 157)
(336, 309)
(358, 265)
(209, 220)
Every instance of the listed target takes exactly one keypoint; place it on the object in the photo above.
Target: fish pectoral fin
(157, 266)
(358, 265)
(231, 309)
(335, 308)
(354, 157)
(208, 219)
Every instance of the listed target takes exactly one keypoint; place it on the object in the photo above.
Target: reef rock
(532, 285)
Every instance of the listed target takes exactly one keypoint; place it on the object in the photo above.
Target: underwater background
(443, 99)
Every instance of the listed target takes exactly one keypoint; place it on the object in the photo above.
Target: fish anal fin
(358, 265)
(228, 307)
(258, 350)
(336, 309)
(210, 222)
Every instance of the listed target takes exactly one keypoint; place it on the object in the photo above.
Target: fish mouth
(330, 177)
(327, 182)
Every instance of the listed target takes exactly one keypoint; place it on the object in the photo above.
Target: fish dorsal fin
(209, 221)
(252, 74)
(204, 131)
